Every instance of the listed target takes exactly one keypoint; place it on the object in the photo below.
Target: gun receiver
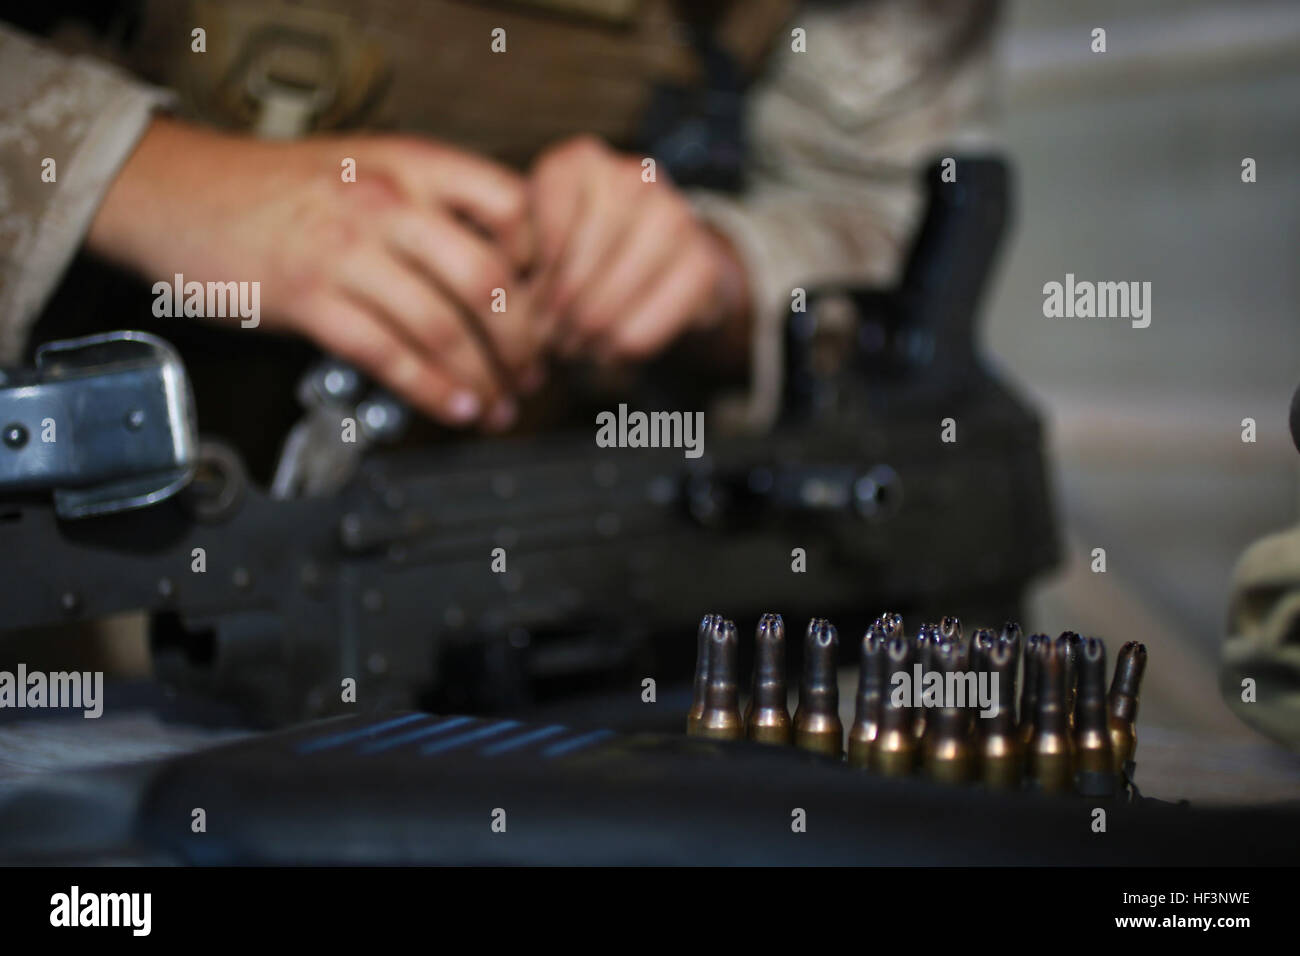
(388, 580)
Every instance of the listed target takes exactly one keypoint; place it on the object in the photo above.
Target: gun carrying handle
(953, 254)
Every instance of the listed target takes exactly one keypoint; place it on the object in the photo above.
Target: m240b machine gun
(388, 574)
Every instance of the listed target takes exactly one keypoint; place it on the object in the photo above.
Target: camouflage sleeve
(839, 132)
(66, 126)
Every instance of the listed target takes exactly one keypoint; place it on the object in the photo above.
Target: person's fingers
(354, 332)
(557, 194)
(610, 211)
(672, 304)
(487, 193)
(555, 191)
(415, 308)
(636, 263)
(472, 270)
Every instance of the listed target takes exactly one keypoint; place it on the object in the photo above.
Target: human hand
(397, 272)
(624, 266)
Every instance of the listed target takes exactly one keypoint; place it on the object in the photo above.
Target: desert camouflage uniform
(837, 133)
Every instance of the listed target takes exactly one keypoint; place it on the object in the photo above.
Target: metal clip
(106, 422)
(317, 459)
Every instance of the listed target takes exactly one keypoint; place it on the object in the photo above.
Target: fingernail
(464, 407)
(502, 415)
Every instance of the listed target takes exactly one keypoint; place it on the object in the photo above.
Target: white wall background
(1129, 168)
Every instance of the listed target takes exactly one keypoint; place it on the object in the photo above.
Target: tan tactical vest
(502, 78)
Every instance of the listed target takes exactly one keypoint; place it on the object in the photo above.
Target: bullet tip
(1000, 653)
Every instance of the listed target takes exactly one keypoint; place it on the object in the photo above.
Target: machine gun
(382, 567)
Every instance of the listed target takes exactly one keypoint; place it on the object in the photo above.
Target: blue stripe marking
(516, 742)
(335, 740)
(388, 743)
(567, 746)
(451, 743)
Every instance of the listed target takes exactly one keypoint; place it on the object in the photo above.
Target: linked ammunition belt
(936, 703)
